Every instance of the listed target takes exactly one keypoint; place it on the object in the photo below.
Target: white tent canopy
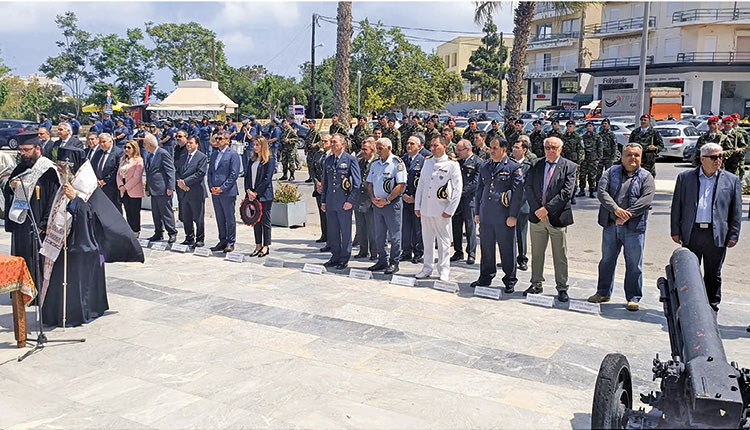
(196, 95)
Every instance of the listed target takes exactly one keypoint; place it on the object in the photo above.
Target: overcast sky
(274, 34)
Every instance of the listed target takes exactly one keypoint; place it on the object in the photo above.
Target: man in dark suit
(706, 215)
(180, 156)
(92, 145)
(193, 202)
(105, 162)
(548, 189)
(160, 180)
(66, 140)
(223, 170)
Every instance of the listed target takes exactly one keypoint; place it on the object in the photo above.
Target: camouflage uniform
(592, 146)
(429, 135)
(406, 130)
(311, 140)
(609, 152)
(513, 136)
(457, 135)
(338, 128)
(492, 134)
(555, 133)
(469, 134)
(360, 133)
(537, 142)
(734, 153)
(484, 153)
(288, 151)
(718, 138)
(573, 151)
(395, 137)
(646, 139)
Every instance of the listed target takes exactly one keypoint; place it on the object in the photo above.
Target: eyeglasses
(714, 157)
(128, 147)
(550, 148)
(220, 138)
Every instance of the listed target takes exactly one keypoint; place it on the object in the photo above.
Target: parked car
(487, 115)
(565, 115)
(9, 130)
(676, 138)
(530, 116)
(528, 126)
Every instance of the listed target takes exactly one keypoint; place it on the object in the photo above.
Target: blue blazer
(225, 174)
(726, 211)
(263, 179)
(160, 175)
(193, 175)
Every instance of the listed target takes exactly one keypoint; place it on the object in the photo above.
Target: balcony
(545, 10)
(546, 71)
(621, 26)
(703, 15)
(545, 41)
(620, 62)
(713, 57)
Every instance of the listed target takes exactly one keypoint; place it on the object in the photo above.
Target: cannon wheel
(613, 394)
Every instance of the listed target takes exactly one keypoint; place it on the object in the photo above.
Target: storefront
(557, 90)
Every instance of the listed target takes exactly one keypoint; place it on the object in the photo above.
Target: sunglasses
(220, 138)
(714, 157)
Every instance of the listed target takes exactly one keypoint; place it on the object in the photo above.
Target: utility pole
(312, 67)
(502, 76)
(213, 58)
(642, 69)
(359, 88)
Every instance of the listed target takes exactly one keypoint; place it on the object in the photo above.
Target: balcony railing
(545, 10)
(620, 62)
(543, 68)
(544, 38)
(713, 57)
(619, 26)
(710, 15)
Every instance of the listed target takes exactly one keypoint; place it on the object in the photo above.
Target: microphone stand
(41, 339)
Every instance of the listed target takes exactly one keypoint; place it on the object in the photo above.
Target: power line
(283, 50)
(433, 30)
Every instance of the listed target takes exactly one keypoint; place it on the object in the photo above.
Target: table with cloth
(16, 280)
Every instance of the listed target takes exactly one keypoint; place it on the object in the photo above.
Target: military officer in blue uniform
(121, 133)
(275, 137)
(108, 126)
(181, 124)
(498, 201)
(74, 124)
(385, 183)
(129, 121)
(96, 125)
(255, 124)
(193, 129)
(411, 235)
(46, 123)
(463, 219)
(204, 135)
(167, 140)
(339, 193)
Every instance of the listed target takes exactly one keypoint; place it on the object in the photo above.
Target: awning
(195, 96)
(583, 98)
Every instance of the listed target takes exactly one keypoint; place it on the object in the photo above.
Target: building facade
(556, 49)
(703, 48)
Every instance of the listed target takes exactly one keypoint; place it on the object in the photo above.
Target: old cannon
(699, 388)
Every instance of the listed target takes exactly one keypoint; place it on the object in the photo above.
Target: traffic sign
(109, 94)
(108, 108)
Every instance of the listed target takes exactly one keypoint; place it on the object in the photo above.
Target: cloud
(256, 16)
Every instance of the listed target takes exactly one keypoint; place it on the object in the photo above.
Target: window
(614, 14)
(447, 61)
(568, 85)
(454, 59)
(571, 26)
(548, 86)
(613, 51)
(547, 62)
(544, 31)
(537, 87)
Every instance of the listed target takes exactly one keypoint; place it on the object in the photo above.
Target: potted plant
(288, 206)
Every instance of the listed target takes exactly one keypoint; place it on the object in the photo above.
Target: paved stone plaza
(199, 342)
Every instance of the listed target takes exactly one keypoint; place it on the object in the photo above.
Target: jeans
(615, 237)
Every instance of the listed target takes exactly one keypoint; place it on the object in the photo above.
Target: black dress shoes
(509, 289)
(377, 266)
(391, 269)
(417, 260)
(562, 296)
(229, 248)
(457, 256)
(187, 242)
(155, 237)
(330, 263)
(321, 239)
(469, 261)
(219, 247)
(342, 266)
(325, 249)
(199, 245)
(361, 255)
(172, 238)
(523, 266)
(533, 290)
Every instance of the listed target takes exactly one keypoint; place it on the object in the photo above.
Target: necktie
(101, 163)
(187, 163)
(148, 160)
(218, 158)
(547, 180)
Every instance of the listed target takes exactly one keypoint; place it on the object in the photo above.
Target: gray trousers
(541, 233)
(388, 229)
(366, 232)
(161, 211)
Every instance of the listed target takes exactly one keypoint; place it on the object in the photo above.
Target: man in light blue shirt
(385, 183)
(705, 197)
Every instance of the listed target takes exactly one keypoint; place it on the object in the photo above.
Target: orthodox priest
(96, 233)
(29, 195)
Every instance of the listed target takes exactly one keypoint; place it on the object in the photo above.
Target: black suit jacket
(193, 174)
(559, 191)
(108, 172)
(263, 179)
(726, 213)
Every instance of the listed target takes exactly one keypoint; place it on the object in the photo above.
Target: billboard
(620, 102)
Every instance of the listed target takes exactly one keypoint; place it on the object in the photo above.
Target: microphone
(21, 175)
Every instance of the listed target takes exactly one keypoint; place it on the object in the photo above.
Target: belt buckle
(703, 225)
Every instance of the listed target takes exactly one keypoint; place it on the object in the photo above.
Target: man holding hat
(651, 142)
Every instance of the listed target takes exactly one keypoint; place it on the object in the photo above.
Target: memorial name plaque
(450, 287)
(179, 248)
(585, 307)
(143, 243)
(273, 262)
(540, 300)
(488, 292)
(402, 280)
(316, 269)
(360, 274)
(236, 257)
(161, 246)
(202, 252)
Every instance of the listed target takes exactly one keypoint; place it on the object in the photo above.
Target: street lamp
(359, 88)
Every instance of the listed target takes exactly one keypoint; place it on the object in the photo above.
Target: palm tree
(343, 51)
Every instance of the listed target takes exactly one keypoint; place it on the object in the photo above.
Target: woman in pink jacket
(130, 184)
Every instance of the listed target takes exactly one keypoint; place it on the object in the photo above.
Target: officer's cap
(193, 121)
(519, 121)
(120, 120)
(167, 122)
(243, 116)
(245, 121)
(94, 116)
(277, 121)
(311, 121)
(71, 115)
(537, 122)
(494, 121)
(205, 117)
(252, 117)
(63, 116)
(714, 119)
(570, 122)
(43, 113)
(645, 116)
(728, 118)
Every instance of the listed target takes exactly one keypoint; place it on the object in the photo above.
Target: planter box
(289, 214)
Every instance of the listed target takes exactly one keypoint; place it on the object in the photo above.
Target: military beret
(589, 123)
(714, 119)
(728, 118)
(519, 121)
(645, 116)
(537, 122)
(494, 121)
(605, 120)
(472, 120)
(570, 122)
(736, 115)
(555, 121)
(391, 119)
(335, 114)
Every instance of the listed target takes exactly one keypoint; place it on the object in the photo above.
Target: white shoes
(423, 274)
(444, 277)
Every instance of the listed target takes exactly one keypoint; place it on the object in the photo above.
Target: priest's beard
(29, 160)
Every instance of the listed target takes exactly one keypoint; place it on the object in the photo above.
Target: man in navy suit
(193, 202)
(105, 162)
(223, 170)
(706, 215)
(160, 180)
(548, 189)
(340, 190)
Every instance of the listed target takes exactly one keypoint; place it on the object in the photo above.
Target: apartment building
(702, 48)
(456, 55)
(556, 49)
